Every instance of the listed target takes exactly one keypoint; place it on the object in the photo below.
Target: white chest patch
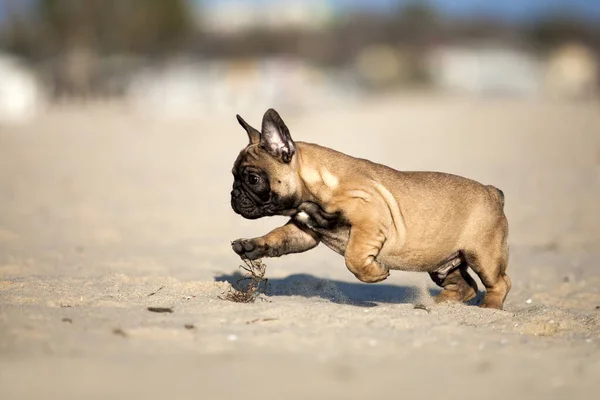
(304, 218)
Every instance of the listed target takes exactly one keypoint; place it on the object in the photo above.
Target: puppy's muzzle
(243, 205)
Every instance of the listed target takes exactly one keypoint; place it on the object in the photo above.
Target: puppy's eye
(253, 179)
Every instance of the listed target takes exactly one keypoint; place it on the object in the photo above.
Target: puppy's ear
(253, 134)
(275, 137)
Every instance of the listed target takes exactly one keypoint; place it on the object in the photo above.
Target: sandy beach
(105, 212)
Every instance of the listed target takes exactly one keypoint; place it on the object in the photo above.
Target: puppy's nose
(235, 192)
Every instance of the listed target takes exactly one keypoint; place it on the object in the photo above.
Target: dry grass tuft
(255, 278)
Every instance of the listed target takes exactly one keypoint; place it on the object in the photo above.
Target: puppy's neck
(320, 182)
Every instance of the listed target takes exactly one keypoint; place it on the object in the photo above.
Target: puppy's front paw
(372, 278)
(251, 249)
(371, 273)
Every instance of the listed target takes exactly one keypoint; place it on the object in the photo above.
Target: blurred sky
(505, 9)
(515, 10)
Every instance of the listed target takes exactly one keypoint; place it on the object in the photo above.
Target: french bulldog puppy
(376, 217)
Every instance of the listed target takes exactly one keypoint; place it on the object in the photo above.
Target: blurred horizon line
(515, 11)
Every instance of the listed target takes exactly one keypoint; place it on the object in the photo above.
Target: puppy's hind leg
(489, 262)
(458, 285)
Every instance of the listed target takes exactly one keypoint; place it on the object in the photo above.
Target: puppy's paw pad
(241, 246)
(247, 248)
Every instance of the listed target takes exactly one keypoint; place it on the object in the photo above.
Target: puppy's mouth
(248, 213)
(251, 206)
(244, 206)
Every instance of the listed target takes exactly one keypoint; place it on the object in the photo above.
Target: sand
(104, 213)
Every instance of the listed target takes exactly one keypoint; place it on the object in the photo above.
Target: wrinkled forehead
(251, 156)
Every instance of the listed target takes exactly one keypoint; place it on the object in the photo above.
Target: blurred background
(118, 130)
(117, 139)
(190, 56)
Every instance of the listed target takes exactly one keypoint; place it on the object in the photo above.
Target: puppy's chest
(335, 237)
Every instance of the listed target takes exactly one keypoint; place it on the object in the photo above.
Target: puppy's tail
(498, 193)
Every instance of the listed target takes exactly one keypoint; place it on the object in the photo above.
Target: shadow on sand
(358, 294)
